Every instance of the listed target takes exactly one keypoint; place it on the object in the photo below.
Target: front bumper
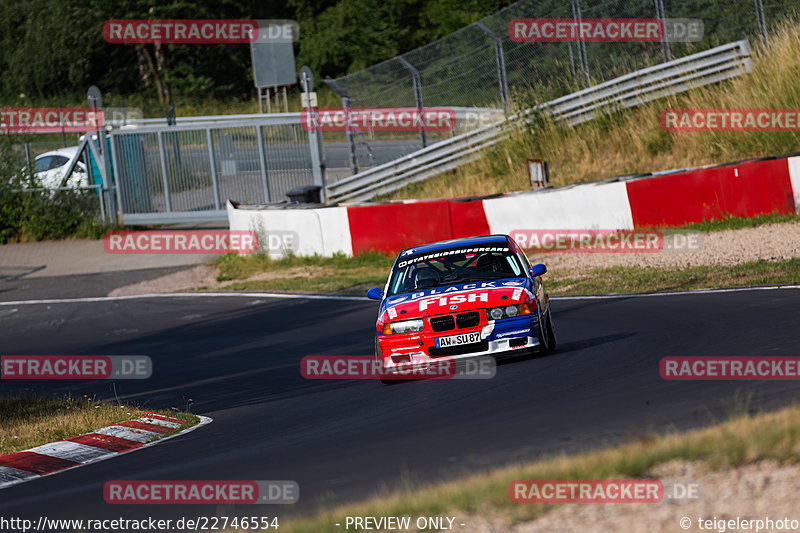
(498, 337)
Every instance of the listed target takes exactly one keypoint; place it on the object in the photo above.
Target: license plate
(458, 340)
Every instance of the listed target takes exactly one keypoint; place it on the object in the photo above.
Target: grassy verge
(632, 141)
(656, 279)
(355, 275)
(28, 420)
(351, 275)
(738, 441)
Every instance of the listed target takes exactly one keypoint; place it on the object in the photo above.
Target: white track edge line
(364, 299)
(676, 293)
(204, 420)
(184, 295)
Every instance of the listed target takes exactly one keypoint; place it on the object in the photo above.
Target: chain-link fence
(480, 66)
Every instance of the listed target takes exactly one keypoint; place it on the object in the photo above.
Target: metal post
(351, 144)
(576, 15)
(118, 175)
(29, 159)
(108, 185)
(90, 174)
(95, 100)
(762, 21)
(262, 98)
(664, 42)
(213, 162)
(501, 63)
(262, 159)
(417, 96)
(315, 138)
(102, 206)
(163, 160)
(61, 121)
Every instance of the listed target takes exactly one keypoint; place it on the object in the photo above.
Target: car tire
(548, 334)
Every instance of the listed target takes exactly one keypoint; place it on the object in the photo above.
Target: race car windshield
(451, 267)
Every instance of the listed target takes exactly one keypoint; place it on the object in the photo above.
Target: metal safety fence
(481, 66)
(710, 66)
(187, 172)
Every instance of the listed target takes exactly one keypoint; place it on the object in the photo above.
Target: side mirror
(538, 270)
(375, 294)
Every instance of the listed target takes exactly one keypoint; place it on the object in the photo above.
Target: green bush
(38, 215)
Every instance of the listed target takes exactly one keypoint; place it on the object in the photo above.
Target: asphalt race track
(237, 360)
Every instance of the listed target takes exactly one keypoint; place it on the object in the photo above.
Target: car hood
(455, 298)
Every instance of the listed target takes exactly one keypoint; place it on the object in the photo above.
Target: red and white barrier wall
(745, 189)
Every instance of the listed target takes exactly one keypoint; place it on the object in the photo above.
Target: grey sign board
(272, 53)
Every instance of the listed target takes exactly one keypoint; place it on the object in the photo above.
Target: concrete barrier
(747, 188)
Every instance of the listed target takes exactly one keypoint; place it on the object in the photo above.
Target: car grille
(459, 350)
(442, 323)
(462, 320)
(468, 320)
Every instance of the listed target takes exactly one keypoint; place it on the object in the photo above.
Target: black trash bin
(307, 194)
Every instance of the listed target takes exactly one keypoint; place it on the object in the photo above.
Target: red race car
(461, 298)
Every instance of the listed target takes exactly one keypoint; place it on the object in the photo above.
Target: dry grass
(636, 279)
(743, 439)
(28, 420)
(355, 276)
(632, 141)
(352, 275)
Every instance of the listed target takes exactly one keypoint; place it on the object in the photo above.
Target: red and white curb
(104, 443)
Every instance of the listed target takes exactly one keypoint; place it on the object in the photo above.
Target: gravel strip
(770, 242)
(183, 280)
(755, 491)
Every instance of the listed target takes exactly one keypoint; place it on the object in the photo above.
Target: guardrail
(704, 68)
(420, 165)
(276, 118)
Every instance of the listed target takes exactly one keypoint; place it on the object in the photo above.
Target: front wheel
(547, 333)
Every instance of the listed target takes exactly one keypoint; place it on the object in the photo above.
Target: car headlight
(404, 326)
(509, 311)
